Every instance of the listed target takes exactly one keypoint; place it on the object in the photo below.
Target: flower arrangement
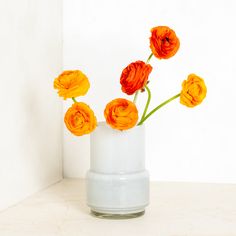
(120, 113)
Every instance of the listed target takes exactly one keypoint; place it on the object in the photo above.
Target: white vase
(117, 182)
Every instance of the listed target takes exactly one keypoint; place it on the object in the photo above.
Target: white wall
(30, 120)
(102, 37)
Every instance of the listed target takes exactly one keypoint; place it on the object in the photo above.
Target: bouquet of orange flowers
(121, 113)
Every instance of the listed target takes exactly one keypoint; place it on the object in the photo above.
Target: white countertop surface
(176, 209)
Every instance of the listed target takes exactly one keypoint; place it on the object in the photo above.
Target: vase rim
(104, 124)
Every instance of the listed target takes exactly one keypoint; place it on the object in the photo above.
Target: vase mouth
(104, 124)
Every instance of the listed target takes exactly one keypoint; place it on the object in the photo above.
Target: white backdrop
(30, 120)
(102, 37)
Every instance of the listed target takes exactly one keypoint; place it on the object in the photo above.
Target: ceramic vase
(117, 181)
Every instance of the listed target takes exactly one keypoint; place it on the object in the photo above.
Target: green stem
(74, 99)
(135, 97)
(158, 107)
(137, 92)
(149, 58)
(147, 103)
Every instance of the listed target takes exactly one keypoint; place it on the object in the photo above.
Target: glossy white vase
(117, 182)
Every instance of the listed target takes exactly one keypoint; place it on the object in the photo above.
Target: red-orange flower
(80, 119)
(163, 42)
(121, 114)
(134, 77)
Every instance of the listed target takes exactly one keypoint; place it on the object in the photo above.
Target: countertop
(176, 209)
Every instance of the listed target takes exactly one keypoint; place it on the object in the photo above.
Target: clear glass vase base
(117, 216)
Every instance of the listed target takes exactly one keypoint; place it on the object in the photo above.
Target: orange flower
(71, 83)
(163, 42)
(80, 119)
(193, 91)
(121, 114)
(134, 77)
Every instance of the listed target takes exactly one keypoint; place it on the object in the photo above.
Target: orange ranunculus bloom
(80, 119)
(193, 91)
(163, 42)
(71, 83)
(121, 114)
(134, 77)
